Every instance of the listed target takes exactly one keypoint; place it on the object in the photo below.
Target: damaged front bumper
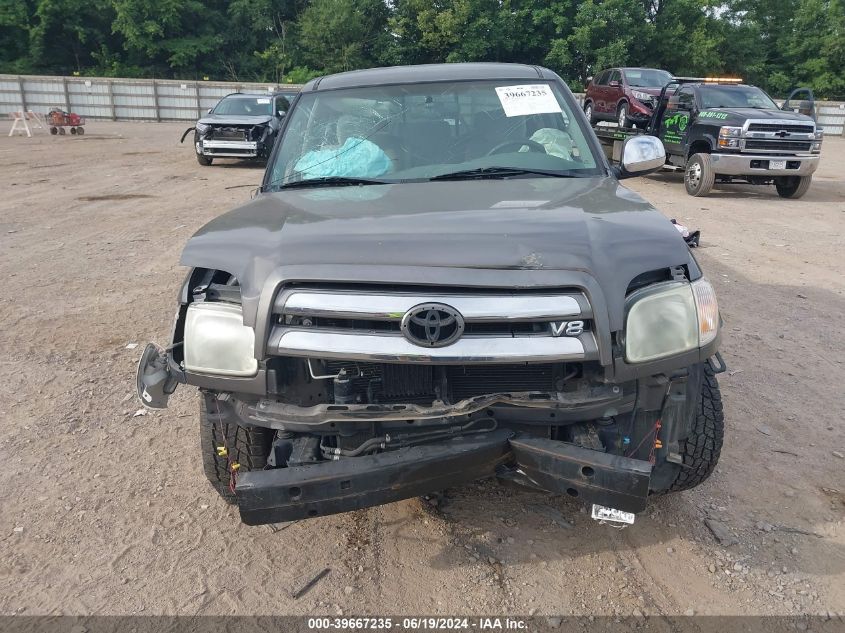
(228, 149)
(288, 494)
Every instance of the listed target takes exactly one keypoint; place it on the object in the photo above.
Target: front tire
(701, 449)
(248, 447)
(699, 175)
(622, 115)
(792, 186)
(588, 111)
(205, 161)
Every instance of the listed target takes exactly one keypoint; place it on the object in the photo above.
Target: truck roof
(428, 73)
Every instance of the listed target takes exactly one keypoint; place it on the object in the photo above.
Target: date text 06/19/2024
(418, 624)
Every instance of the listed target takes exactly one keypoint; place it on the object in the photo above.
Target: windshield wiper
(331, 180)
(501, 172)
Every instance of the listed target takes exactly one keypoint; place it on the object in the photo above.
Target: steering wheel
(533, 146)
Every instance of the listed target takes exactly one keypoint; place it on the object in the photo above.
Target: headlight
(729, 136)
(707, 309)
(642, 96)
(217, 341)
(202, 128)
(670, 318)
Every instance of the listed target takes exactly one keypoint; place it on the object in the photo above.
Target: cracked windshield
(389, 134)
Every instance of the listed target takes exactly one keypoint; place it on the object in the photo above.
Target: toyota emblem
(432, 325)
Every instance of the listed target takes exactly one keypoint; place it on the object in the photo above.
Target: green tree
(261, 40)
(343, 34)
(180, 36)
(15, 22)
(817, 47)
(603, 33)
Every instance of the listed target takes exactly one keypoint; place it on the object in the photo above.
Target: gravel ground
(108, 512)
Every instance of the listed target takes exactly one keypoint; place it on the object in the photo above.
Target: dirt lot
(105, 512)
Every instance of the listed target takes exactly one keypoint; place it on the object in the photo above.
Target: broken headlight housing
(670, 318)
(217, 341)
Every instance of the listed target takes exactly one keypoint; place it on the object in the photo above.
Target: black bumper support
(594, 477)
(288, 494)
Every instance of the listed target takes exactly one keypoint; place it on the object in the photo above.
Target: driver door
(801, 100)
(675, 124)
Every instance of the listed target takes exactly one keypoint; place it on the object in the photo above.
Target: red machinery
(58, 120)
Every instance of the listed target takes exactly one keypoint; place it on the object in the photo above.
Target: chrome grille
(364, 325)
(779, 145)
(778, 136)
(776, 127)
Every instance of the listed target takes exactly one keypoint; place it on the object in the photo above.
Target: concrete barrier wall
(119, 99)
(174, 100)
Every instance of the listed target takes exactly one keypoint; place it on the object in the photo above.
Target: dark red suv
(624, 95)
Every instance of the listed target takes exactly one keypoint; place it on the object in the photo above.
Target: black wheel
(702, 448)
(54, 130)
(61, 131)
(247, 447)
(73, 131)
(80, 131)
(588, 110)
(792, 186)
(699, 175)
(622, 115)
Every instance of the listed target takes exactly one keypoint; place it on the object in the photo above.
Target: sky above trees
(777, 44)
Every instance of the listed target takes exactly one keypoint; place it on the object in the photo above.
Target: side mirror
(282, 113)
(640, 155)
(209, 110)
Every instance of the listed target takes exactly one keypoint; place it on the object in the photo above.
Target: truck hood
(213, 119)
(742, 114)
(593, 226)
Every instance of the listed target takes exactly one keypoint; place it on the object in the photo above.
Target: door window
(686, 98)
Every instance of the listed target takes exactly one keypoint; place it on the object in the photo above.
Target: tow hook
(154, 381)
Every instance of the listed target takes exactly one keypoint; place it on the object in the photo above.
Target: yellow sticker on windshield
(527, 99)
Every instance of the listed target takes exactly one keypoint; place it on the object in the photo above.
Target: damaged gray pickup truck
(441, 280)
